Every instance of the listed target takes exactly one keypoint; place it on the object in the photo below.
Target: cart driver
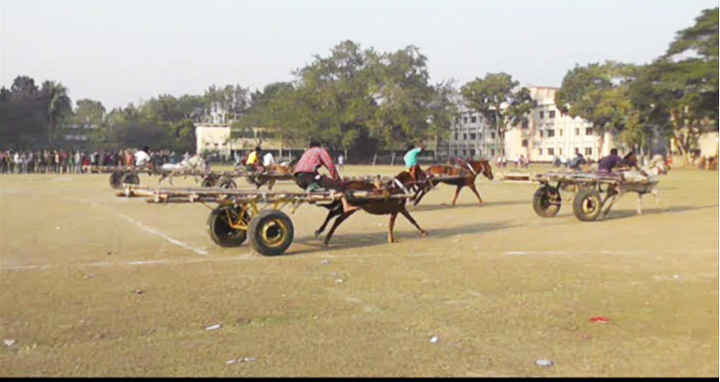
(142, 158)
(608, 163)
(411, 161)
(308, 178)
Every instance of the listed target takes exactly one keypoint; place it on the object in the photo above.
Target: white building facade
(546, 134)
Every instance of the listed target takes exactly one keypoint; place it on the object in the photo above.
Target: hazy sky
(121, 51)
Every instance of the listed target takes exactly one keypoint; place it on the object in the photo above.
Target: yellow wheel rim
(273, 233)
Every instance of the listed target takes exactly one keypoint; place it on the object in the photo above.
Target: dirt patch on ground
(95, 285)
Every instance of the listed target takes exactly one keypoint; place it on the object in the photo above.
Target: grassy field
(95, 285)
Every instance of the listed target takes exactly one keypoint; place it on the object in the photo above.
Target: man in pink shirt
(309, 179)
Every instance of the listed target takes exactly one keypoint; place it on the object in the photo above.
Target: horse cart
(242, 213)
(590, 194)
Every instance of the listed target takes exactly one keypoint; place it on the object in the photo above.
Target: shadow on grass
(622, 214)
(441, 206)
(342, 240)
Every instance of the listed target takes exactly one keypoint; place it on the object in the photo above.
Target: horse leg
(391, 226)
(612, 201)
(655, 194)
(339, 220)
(334, 211)
(639, 205)
(410, 218)
(474, 190)
(457, 192)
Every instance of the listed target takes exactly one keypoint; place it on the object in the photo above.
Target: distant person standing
(341, 162)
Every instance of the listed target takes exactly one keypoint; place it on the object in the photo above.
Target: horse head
(481, 166)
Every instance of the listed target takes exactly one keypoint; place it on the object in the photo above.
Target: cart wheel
(116, 179)
(219, 226)
(130, 178)
(208, 181)
(226, 182)
(587, 205)
(546, 201)
(271, 232)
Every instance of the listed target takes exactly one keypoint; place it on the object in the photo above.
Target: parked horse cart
(241, 213)
(590, 194)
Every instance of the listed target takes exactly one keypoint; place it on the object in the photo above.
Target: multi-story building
(546, 134)
(472, 136)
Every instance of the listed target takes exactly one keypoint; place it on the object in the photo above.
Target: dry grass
(499, 286)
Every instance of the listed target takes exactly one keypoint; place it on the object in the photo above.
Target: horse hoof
(317, 233)
(423, 233)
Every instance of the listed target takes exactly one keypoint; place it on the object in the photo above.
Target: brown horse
(400, 184)
(468, 171)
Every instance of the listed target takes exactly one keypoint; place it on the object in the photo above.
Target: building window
(473, 136)
(541, 133)
(525, 124)
(492, 152)
(551, 133)
(464, 119)
(524, 143)
(455, 152)
(541, 115)
(560, 132)
(472, 153)
(588, 131)
(577, 151)
(456, 136)
(464, 136)
(492, 134)
(551, 151)
(560, 151)
(540, 151)
(473, 119)
(577, 131)
(551, 114)
(588, 151)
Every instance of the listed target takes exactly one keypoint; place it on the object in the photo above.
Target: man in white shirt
(142, 158)
(268, 159)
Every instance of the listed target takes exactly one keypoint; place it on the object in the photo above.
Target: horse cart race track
(92, 284)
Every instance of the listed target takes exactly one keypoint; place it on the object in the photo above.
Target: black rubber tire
(130, 178)
(271, 232)
(587, 205)
(208, 181)
(225, 182)
(542, 202)
(219, 229)
(116, 179)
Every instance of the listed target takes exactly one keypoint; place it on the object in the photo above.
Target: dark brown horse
(403, 183)
(467, 171)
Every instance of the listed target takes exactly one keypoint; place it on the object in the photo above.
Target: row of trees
(676, 95)
(362, 100)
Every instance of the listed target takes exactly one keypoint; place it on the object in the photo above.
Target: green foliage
(499, 100)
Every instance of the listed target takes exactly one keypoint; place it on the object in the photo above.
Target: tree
(598, 93)
(499, 100)
(59, 105)
(686, 81)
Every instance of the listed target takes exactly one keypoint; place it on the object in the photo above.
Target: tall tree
(598, 93)
(686, 80)
(499, 100)
(59, 105)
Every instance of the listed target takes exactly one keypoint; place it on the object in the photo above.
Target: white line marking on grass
(199, 251)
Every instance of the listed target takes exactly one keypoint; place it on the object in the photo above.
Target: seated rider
(308, 178)
(608, 163)
(252, 163)
(411, 162)
(577, 162)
